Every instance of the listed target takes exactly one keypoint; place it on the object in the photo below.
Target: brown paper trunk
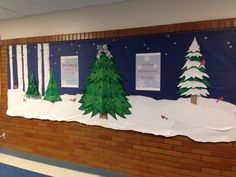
(104, 116)
(194, 99)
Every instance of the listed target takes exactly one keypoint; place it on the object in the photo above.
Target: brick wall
(127, 152)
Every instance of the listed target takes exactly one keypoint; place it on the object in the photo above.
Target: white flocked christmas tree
(194, 79)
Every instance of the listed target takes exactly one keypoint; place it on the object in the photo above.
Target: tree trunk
(194, 99)
(104, 116)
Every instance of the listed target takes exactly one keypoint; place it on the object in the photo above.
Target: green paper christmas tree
(194, 79)
(103, 92)
(52, 93)
(32, 91)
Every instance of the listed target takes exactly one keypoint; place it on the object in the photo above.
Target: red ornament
(220, 99)
(203, 62)
(164, 117)
(73, 99)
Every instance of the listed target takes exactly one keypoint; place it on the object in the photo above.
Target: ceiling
(19, 8)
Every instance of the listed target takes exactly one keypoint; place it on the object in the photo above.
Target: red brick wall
(127, 152)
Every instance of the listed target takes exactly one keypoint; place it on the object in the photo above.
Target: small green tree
(52, 93)
(32, 91)
(103, 92)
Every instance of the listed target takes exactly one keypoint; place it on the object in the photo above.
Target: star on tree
(194, 79)
(103, 92)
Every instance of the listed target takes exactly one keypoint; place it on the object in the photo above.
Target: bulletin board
(157, 107)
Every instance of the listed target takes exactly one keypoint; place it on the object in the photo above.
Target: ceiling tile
(19, 8)
(61, 4)
(4, 13)
(25, 7)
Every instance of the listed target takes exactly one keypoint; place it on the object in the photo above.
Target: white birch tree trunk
(11, 66)
(40, 85)
(46, 65)
(19, 66)
(25, 64)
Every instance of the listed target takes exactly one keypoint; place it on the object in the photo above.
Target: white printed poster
(70, 71)
(148, 71)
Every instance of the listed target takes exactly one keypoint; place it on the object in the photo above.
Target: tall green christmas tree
(194, 79)
(103, 92)
(52, 93)
(32, 91)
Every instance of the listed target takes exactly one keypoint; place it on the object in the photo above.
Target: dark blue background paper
(217, 46)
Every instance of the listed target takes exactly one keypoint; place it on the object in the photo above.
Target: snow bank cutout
(208, 121)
